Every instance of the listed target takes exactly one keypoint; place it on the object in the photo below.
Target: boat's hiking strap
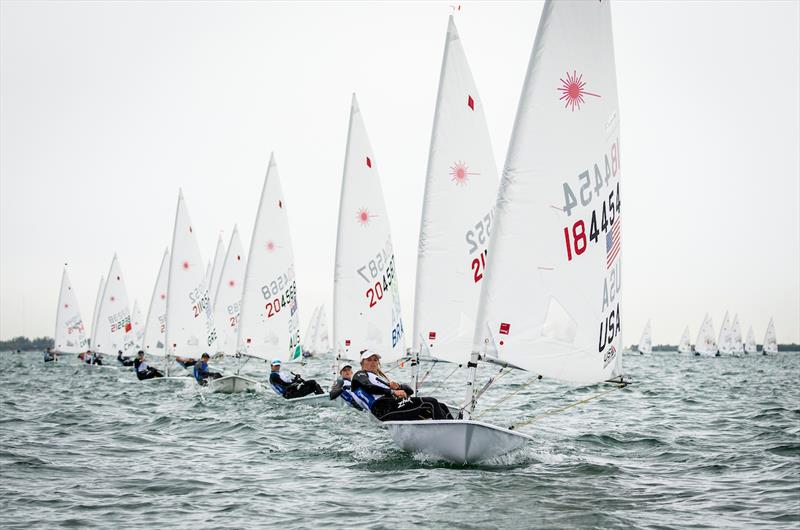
(520, 389)
(562, 409)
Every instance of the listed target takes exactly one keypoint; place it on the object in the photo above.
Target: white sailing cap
(368, 353)
(275, 361)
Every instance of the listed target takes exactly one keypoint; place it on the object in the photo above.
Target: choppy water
(695, 442)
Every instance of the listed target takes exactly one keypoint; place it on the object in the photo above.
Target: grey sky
(107, 108)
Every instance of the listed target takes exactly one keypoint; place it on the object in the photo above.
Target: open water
(694, 442)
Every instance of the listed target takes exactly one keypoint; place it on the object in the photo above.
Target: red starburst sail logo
(573, 89)
(460, 173)
(363, 216)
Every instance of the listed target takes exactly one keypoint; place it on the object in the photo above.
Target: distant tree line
(26, 344)
(670, 347)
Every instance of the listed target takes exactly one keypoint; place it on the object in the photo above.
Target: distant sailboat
(190, 317)
(311, 332)
(750, 344)
(155, 328)
(770, 339)
(553, 266)
(322, 342)
(70, 334)
(736, 336)
(216, 269)
(457, 215)
(228, 298)
(97, 300)
(366, 299)
(725, 343)
(138, 327)
(646, 341)
(706, 343)
(114, 330)
(269, 319)
(684, 346)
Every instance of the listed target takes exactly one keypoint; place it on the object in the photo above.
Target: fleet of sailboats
(523, 273)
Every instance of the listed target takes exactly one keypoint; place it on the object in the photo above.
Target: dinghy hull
(456, 441)
(233, 384)
(318, 400)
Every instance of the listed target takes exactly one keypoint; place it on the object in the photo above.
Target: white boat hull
(456, 441)
(318, 400)
(233, 384)
(168, 379)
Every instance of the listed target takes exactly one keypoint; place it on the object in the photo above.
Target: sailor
(388, 400)
(49, 356)
(201, 372)
(185, 362)
(124, 361)
(290, 385)
(143, 370)
(342, 388)
(97, 358)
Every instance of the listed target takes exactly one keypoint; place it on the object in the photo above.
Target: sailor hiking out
(202, 373)
(342, 387)
(143, 370)
(290, 385)
(124, 361)
(388, 400)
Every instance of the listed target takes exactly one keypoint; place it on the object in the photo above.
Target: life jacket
(201, 370)
(279, 388)
(366, 399)
(351, 398)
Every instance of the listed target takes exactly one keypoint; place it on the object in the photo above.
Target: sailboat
(646, 342)
(138, 327)
(683, 345)
(114, 329)
(725, 343)
(770, 339)
(736, 336)
(216, 269)
(228, 298)
(750, 344)
(155, 328)
(553, 265)
(311, 333)
(366, 298)
(190, 320)
(268, 321)
(322, 342)
(457, 215)
(97, 300)
(706, 343)
(70, 334)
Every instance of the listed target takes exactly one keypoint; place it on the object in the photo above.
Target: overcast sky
(106, 109)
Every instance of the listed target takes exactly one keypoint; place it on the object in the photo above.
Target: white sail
(216, 271)
(683, 345)
(457, 213)
(311, 331)
(322, 343)
(228, 298)
(155, 329)
(70, 333)
(646, 342)
(190, 317)
(736, 336)
(706, 342)
(725, 343)
(114, 329)
(770, 339)
(750, 344)
(97, 299)
(550, 299)
(366, 298)
(269, 325)
(138, 326)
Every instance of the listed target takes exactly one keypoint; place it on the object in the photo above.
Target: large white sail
(97, 300)
(114, 329)
(311, 331)
(770, 339)
(683, 345)
(216, 271)
(322, 342)
(750, 344)
(724, 344)
(706, 342)
(366, 298)
(550, 300)
(268, 323)
(70, 333)
(190, 317)
(138, 326)
(736, 336)
(155, 330)
(228, 298)
(457, 213)
(646, 342)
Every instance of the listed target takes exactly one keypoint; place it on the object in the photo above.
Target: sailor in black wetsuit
(291, 385)
(124, 361)
(342, 388)
(49, 356)
(389, 401)
(143, 370)
(201, 372)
